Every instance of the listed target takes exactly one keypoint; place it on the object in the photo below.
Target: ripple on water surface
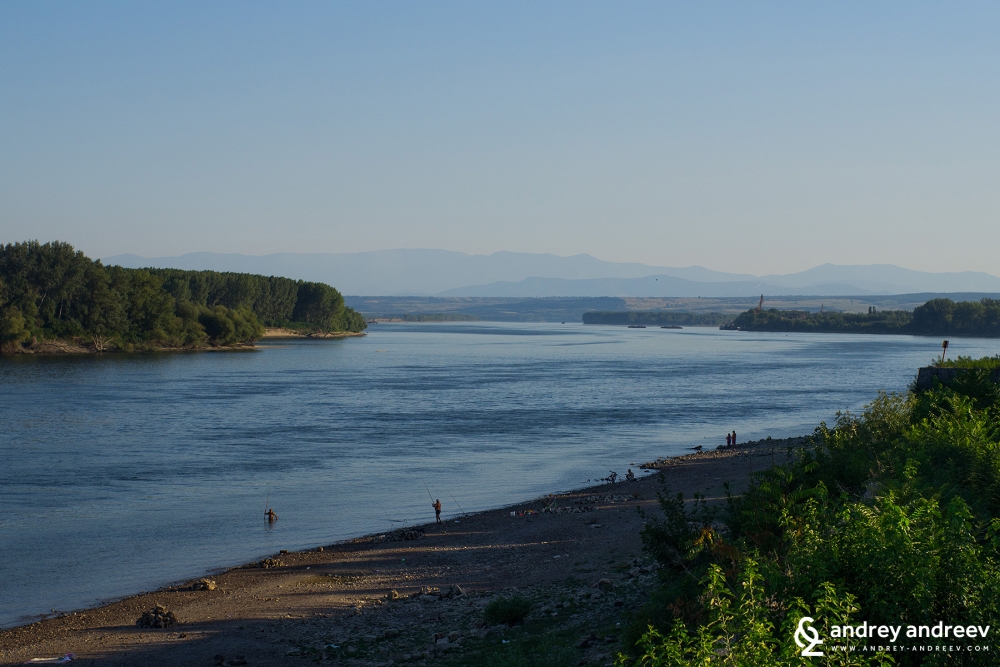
(121, 473)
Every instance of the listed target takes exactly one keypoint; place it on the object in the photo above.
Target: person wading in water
(271, 516)
(437, 510)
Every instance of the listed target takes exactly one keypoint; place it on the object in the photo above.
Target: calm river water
(124, 473)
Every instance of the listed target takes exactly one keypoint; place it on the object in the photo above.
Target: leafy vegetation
(892, 517)
(965, 318)
(737, 629)
(509, 610)
(656, 318)
(937, 317)
(51, 291)
(987, 363)
(882, 322)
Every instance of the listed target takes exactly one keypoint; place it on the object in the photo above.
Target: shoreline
(277, 333)
(60, 347)
(353, 582)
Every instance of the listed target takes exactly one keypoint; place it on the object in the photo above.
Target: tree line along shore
(658, 318)
(937, 317)
(54, 297)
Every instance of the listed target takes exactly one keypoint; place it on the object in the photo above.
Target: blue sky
(752, 137)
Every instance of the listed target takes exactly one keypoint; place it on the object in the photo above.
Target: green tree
(13, 328)
(318, 304)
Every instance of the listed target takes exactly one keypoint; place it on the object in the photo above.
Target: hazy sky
(752, 137)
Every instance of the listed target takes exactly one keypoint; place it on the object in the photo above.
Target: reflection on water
(120, 473)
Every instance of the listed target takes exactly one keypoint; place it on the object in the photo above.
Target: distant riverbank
(937, 317)
(658, 318)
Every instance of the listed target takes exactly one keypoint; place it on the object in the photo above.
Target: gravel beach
(413, 596)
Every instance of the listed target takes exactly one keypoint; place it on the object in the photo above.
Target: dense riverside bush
(737, 629)
(984, 364)
(51, 291)
(893, 517)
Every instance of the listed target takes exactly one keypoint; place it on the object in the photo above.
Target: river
(122, 473)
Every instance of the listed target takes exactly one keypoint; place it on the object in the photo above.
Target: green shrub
(510, 610)
(892, 517)
(740, 633)
(986, 363)
(539, 653)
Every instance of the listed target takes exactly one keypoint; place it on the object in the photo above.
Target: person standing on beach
(734, 438)
(729, 440)
(437, 510)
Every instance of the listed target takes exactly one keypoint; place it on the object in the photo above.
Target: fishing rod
(456, 503)
(267, 500)
(389, 519)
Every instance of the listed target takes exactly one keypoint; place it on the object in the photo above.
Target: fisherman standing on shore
(437, 510)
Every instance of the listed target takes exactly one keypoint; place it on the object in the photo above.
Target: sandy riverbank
(360, 602)
(278, 332)
(62, 348)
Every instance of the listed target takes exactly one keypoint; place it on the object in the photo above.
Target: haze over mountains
(511, 274)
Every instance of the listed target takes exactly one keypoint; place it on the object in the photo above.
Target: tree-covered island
(51, 292)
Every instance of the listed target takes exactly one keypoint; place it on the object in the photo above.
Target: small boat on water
(637, 326)
(671, 326)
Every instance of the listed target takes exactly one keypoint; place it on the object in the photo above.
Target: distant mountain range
(512, 274)
(652, 286)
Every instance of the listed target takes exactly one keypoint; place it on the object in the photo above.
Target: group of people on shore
(731, 439)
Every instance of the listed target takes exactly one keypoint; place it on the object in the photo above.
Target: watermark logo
(868, 637)
(806, 638)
